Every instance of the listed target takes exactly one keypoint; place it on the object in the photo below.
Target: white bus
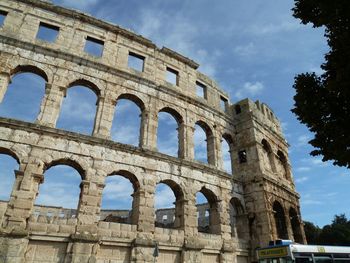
(295, 253)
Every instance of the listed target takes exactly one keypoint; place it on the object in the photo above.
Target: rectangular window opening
(201, 90)
(172, 76)
(136, 61)
(223, 103)
(94, 46)
(3, 15)
(47, 32)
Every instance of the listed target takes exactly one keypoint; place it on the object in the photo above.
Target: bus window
(323, 260)
(342, 260)
(303, 260)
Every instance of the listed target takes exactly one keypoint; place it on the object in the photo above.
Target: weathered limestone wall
(242, 205)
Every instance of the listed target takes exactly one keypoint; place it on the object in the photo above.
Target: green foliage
(323, 102)
(337, 233)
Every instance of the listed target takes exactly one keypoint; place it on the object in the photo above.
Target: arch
(296, 225)
(66, 161)
(166, 136)
(280, 220)
(210, 143)
(11, 153)
(62, 185)
(116, 197)
(269, 154)
(79, 107)
(238, 219)
(9, 163)
(212, 224)
(24, 94)
(174, 217)
(29, 69)
(133, 98)
(177, 116)
(132, 216)
(226, 151)
(128, 175)
(128, 118)
(86, 83)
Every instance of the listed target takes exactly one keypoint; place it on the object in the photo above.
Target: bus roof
(319, 249)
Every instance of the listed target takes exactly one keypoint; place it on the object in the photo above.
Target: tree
(337, 233)
(312, 232)
(323, 102)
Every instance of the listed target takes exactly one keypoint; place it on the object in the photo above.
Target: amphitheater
(245, 210)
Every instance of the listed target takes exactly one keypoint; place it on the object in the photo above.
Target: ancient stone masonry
(246, 209)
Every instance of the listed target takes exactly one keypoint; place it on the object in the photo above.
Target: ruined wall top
(75, 28)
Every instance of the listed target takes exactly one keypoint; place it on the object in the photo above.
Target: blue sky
(251, 48)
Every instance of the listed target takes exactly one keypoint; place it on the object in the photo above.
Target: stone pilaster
(51, 105)
(5, 80)
(22, 199)
(104, 117)
(189, 144)
(149, 126)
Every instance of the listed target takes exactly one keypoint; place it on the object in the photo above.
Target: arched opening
(268, 156)
(59, 194)
(295, 223)
(78, 108)
(24, 94)
(203, 143)
(282, 165)
(170, 132)
(226, 149)
(126, 125)
(207, 212)
(8, 164)
(238, 219)
(169, 205)
(118, 198)
(280, 221)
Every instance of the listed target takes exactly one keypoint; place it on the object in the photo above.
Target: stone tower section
(245, 209)
(272, 203)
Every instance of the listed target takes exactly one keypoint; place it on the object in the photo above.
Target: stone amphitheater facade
(256, 203)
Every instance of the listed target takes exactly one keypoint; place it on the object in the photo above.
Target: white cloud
(164, 197)
(303, 140)
(274, 28)
(301, 179)
(249, 89)
(303, 169)
(179, 35)
(245, 50)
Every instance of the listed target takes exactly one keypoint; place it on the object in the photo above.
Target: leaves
(322, 103)
(337, 233)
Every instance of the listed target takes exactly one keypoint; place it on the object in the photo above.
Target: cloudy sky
(251, 48)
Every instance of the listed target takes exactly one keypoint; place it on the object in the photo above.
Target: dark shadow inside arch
(269, 155)
(296, 225)
(170, 132)
(207, 212)
(169, 205)
(120, 198)
(238, 219)
(78, 110)
(24, 94)
(283, 163)
(128, 120)
(280, 221)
